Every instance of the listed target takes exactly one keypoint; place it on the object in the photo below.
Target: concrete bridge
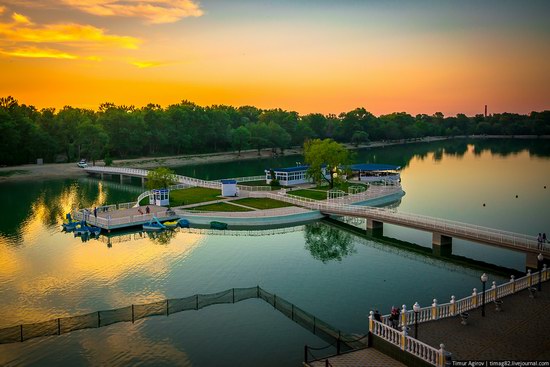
(443, 231)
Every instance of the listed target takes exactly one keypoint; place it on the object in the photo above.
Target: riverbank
(70, 170)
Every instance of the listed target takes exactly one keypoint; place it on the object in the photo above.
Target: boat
(218, 225)
(69, 225)
(171, 224)
(183, 223)
(153, 225)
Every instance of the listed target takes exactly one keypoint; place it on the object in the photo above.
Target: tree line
(112, 131)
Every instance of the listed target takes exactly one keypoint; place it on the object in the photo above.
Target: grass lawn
(221, 207)
(259, 183)
(311, 194)
(12, 172)
(262, 203)
(193, 195)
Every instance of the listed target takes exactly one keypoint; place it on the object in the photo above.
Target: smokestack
(485, 110)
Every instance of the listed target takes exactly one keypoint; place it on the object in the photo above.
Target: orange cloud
(39, 53)
(154, 11)
(21, 19)
(2, 9)
(23, 30)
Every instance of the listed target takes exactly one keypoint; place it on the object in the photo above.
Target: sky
(301, 55)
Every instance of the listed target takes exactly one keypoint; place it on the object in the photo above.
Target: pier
(122, 216)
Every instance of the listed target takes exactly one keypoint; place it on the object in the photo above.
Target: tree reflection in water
(326, 243)
(162, 237)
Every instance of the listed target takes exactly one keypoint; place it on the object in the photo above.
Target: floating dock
(124, 218)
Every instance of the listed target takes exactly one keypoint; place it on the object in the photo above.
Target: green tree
(325, 158)
(359, 137)
(93, 140)
(161, 177)
(240, 138)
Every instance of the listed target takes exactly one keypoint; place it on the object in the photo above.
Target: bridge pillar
(142, 181)
(441, 244)
(101, 176)
(531, 261)
(375, 227)
(121, 179)
(374, 224)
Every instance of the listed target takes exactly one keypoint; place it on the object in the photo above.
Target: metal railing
(111, 222)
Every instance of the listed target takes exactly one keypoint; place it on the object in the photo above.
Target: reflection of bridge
(442, 230)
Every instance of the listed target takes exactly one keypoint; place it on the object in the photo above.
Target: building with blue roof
(366, 172)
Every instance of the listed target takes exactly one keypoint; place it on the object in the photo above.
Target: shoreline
(46, 171)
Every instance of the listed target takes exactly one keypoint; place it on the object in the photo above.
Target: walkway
(519, 332)
(364, 357)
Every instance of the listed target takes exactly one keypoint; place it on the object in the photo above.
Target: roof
(373, 167)
(226, 182)
(290, 169)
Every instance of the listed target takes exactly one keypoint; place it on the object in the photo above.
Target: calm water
(45, 273)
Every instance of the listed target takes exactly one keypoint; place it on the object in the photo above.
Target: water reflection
(326, 243)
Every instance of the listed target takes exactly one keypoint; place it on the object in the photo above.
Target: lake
(337, 275)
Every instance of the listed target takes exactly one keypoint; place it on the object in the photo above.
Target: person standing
(539, 242)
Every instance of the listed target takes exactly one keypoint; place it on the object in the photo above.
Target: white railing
(142, 196)
(439, 311)
(254, 188)
(247, 179)
(406, 343)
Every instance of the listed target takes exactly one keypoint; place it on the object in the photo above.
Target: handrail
(455, 228)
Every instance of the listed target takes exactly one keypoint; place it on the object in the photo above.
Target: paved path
(520, 332)
(365, 357)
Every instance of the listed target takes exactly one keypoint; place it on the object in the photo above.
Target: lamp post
(484, 278)
(416, 309)
(539, 266)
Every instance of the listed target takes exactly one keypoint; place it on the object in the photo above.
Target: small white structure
(229, 188)
(160, 197)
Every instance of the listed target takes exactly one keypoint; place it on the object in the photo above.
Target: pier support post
(531, 261)
(374, 224)
(375, 227)
(441, 245)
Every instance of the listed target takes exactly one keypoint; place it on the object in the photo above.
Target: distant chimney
(485, 110)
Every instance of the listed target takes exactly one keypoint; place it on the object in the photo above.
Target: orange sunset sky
(301, 55)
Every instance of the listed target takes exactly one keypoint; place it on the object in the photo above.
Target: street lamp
(539, 266)
(484, 278)
(416, 309)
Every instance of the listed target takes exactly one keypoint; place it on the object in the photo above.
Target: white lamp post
(416, 309)
(484, 278)
(539, 266)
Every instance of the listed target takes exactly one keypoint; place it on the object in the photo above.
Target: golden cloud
(2, 9)
(147, 64)
(23, 30)
(39, 53)
(154, 11)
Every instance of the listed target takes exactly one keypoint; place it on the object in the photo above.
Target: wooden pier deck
(123, 218)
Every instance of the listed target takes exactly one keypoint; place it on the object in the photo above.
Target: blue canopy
(226, 182)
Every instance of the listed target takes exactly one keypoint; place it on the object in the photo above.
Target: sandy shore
(68, 170)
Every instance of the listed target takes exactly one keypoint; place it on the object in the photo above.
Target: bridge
(442, 230)
(180, 180)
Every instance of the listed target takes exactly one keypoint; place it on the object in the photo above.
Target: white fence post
(434, 310)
